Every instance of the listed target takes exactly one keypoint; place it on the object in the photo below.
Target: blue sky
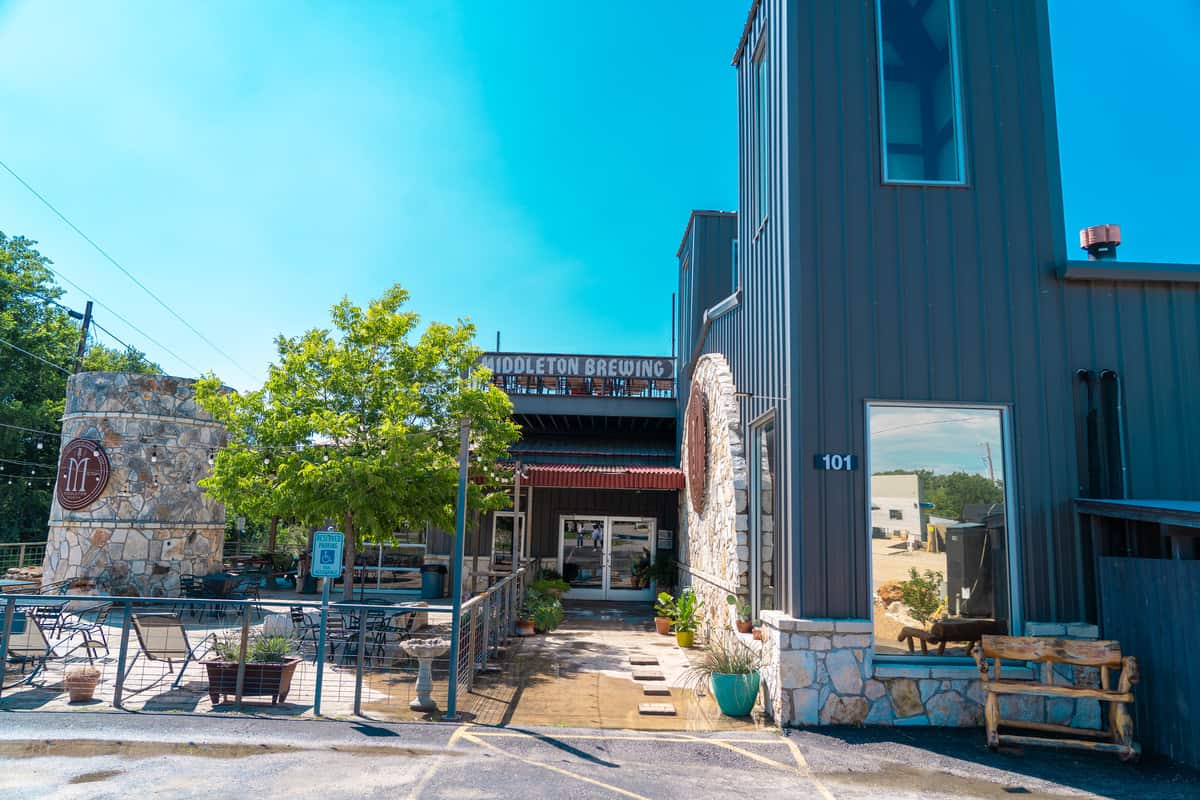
(530, 165)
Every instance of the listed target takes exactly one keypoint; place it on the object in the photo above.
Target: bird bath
(425, 651)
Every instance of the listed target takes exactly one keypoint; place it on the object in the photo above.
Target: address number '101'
(840, 462)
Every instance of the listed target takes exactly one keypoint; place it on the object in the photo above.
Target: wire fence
(21, 554)
(379, 658)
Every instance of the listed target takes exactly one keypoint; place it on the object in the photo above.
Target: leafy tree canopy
(359, 424)
(33, 393)
(951, 492)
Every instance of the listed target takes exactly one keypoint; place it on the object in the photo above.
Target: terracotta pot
(758, 634)
(744, 626)
(81, 684)
(663, 625)
(524, 627)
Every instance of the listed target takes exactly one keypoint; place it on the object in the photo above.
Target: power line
(35, 355)
(126, 272)
(113, 337)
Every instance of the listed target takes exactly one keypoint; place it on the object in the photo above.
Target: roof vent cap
(1101, 241)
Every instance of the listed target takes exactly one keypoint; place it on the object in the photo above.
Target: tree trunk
(271, 536)
(348, 557)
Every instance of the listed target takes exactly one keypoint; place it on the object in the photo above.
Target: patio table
(15, 586)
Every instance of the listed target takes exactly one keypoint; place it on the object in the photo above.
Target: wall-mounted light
(154, 456)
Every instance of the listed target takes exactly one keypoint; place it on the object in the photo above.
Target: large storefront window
(764, 546)
(939, 526)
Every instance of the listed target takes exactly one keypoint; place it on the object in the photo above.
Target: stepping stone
(656, 690)
(643, 661)
(656, 709)
(648, 675)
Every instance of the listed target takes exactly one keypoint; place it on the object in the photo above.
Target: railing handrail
(269, 602)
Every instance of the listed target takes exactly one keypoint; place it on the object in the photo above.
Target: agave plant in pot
(731, 668)
(664, 613)
(270, 664)
(686, 620)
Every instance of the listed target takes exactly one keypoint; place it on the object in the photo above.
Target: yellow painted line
(682, 738)
(419, 787)
(806, 771)
(741, 751)
(472, 738)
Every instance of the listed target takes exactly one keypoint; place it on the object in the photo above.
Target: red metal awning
(611, 476)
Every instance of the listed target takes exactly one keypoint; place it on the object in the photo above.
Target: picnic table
(16, 585)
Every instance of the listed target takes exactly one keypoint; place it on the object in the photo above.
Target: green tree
(359, 425)
(32, 392)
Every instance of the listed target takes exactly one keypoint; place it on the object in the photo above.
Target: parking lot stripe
(618, 790)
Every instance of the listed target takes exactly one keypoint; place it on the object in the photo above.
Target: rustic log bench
(1105, 655)
(950, 630)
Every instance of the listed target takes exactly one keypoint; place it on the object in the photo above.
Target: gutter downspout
(1111, 375)
(710, 314)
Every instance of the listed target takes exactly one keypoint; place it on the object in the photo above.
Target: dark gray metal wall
(707, 251)
(1150, 605)
(856, 291)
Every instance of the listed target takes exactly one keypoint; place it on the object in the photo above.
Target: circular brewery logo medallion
(82, 474)
(697, 446)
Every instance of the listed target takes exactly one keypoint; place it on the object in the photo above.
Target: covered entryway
(606, 558)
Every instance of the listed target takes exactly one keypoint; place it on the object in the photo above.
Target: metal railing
(21, 554)
(199, 654)
(556, 386)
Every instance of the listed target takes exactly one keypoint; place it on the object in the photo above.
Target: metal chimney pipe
(1101, 242)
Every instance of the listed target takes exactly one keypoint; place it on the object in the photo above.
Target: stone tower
(127, 513)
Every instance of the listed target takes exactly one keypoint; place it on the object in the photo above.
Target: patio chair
(57, 587)
(88, 624)
(28, 644)
(50, 616)
(162, 637)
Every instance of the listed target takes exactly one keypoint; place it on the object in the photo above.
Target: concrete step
(653, 690)
(643, 661)
(648, 675)
(656, 709)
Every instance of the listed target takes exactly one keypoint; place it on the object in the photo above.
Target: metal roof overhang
(591, 476)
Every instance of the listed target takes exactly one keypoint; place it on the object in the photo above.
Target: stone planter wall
(152, 522)
(822, 672)
(717, 552)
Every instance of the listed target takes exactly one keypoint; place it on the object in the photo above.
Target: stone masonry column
(150, 521)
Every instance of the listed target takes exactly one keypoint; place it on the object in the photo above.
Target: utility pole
(988, 459)
(460, 533)
(83, 333)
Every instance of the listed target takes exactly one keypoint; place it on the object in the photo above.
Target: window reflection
(938, 527)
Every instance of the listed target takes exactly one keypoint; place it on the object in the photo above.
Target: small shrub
(664, 605)
(922, 594)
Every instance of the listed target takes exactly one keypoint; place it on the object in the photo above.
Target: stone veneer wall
(822, 672)
(718, 548)
(139, 536)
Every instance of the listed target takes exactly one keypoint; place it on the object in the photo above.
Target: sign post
(460, 532)
(326, 563)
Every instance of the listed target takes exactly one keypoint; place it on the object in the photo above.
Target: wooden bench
(950, 630)
(1106, 656)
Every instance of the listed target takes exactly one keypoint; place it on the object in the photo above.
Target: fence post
(362, 649)
(123, 653)
(241, 675)
(487, 617)
(21, 555)
(10, 608)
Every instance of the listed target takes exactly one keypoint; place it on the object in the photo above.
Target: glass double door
(606, 558)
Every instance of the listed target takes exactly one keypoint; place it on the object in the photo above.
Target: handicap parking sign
(327, 554)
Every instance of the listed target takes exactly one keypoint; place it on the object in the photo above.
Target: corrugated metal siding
(1149, 605)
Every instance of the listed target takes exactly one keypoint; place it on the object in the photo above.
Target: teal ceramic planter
(735, 694)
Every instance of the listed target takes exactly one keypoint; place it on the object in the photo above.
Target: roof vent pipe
(1101, 242)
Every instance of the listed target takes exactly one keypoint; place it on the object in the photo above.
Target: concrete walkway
(584, 675)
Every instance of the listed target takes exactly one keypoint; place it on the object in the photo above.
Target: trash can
(433, 579)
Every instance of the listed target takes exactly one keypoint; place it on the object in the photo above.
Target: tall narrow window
(733, 268)
(761, 120)
(919, 92)
(764, 545)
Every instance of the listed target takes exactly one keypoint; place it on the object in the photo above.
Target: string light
(39, 444)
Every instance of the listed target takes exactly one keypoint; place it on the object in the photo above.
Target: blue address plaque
(835, 462)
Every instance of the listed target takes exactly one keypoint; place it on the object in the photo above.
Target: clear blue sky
(529, 165)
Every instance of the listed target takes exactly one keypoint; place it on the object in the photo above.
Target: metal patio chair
(162, 637)
(28, 644)
(88, 624)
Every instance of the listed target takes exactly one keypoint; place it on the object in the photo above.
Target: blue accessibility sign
(327, 554)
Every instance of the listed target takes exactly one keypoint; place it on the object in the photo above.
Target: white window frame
(521, 535)
(755, 427)
(956, 79)
(1012, 522)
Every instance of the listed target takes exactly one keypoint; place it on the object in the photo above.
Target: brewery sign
(551, 365)
(82, 474)
(697, 446)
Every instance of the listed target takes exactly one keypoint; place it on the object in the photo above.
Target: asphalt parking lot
(113, 755)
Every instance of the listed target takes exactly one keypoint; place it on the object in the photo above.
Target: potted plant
(922, 595)
(664, 612)
(525, 622)
(731, 668)
(81, 683)
(742, 611)
(542, 609)
(270, 664)
(685, 617)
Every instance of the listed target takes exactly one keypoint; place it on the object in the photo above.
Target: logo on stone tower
(82, 474)
(697, 446)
